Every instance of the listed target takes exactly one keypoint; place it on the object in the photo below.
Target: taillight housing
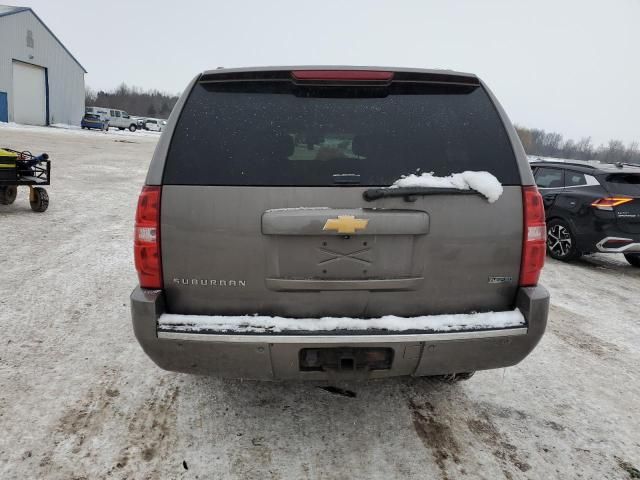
(534, 237)
(343, 75)
(146, 244)
(608, 203)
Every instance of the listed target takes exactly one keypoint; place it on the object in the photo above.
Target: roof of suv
(337, 67)
(591, 166)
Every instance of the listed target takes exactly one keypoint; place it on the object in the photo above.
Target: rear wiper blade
(410, 193)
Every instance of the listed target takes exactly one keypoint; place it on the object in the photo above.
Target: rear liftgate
(250, 213)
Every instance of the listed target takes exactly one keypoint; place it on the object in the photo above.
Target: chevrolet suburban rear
(338, 222)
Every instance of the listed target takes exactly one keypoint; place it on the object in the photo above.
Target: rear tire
(561, 243)
(8, 194)
(41, 201)
(633, 259)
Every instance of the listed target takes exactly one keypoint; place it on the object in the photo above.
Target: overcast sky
(569, 66)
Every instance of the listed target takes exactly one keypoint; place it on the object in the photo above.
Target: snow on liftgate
(23, 168)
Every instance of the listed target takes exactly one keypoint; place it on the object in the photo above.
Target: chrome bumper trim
(342, 339)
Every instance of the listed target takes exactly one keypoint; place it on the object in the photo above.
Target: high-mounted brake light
(534, 237)
(346, 75)
(146, 245)
(608, 203)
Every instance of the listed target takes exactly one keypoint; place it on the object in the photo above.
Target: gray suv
(279, 234)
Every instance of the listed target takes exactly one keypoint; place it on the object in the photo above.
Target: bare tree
(551, 144)
(584, 149)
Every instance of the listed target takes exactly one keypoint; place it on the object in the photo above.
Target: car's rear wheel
(561, 243)
(39, 199)
(633, 259)
(8, 194)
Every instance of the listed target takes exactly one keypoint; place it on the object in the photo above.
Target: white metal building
(41, 83)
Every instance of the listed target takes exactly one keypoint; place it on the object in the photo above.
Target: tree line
(133, 100)
(552, 144)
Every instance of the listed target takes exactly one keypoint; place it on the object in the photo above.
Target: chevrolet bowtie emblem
(345, 224)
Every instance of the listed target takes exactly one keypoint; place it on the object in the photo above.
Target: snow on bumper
(390, 323)
(267, 348)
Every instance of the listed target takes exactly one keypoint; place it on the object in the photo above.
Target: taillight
(146, 244)
(534, 237)
(346, 75)
(608, 203)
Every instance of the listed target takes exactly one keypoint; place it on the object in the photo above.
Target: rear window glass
(277, 134)
(624, 184)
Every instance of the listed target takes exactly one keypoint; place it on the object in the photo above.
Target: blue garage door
(4, 110)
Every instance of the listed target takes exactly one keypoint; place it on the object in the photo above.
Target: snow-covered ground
(63, 129)
(79, 398)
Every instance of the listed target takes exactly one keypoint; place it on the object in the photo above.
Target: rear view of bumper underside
(618, 245)
(277, 357)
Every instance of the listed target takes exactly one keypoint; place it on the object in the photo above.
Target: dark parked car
(590, 207)
(273, 241)
(94, 121)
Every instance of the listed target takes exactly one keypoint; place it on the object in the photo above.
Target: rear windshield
(277, 134)
(624, 184)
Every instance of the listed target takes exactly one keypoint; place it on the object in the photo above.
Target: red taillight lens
(608, 203)
(346, 75)
(146, 244)
(534, 237)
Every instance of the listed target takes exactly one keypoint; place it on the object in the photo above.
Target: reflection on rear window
(331, 146)
(279, 134)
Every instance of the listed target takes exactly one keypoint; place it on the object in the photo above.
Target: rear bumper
(96, 125)
(276, 357)
(605, 235)
(618, 245)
